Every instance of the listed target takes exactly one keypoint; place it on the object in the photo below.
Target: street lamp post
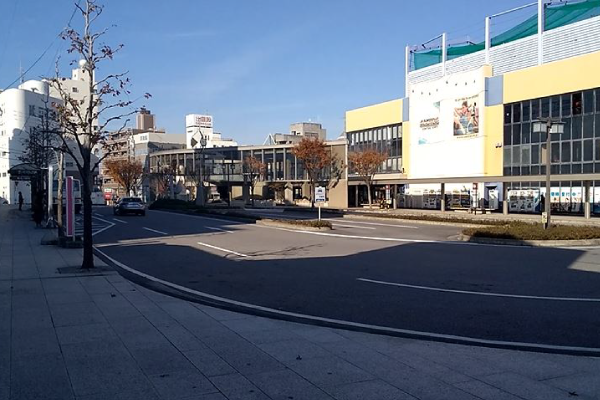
(548, 126)
(200, 198)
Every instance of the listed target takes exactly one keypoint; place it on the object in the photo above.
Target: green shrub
(172, 204)
(525, 231)
(436, 218)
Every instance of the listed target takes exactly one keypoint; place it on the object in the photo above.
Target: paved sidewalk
(98, 336)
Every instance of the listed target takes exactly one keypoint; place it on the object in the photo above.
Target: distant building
(137, 143)
(21, 110)
(298, 131)
(145, 120)
(201, 126)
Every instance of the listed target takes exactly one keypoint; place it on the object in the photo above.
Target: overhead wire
(21, 74)
(10, 26)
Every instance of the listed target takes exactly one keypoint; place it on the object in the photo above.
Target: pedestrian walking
(20, 201)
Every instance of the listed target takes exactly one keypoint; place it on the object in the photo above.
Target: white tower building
(20, 112)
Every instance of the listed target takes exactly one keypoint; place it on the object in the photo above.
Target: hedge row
(525, 231)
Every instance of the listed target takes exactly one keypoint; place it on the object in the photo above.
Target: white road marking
(154, 230)
(515, 296)
(352, 226)
(222, 249)
(388, 239)
(378, 224)
(110, 225)
(119, 220)
(217, 229)
(342, 323)
(385, 239)
(98, 215)
(195, 216)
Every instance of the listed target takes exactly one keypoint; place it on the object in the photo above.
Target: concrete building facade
(21, 112)
(467, 114)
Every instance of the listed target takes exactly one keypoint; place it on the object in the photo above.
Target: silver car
(129, 205)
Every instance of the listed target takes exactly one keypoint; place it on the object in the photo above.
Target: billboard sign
(446, 123)
(199, 120)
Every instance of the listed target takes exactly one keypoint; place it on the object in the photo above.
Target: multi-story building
(298, 131)
(21, 112)
(465, 123)
(284, 178)
(136, 144)
(199, 130)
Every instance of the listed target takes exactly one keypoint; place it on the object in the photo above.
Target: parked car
(129, 205)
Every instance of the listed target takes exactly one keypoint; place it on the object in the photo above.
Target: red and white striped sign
(70, 208)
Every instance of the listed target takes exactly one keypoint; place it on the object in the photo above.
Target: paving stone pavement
(98, 336)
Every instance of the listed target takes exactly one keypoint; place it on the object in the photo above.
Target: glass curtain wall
(577, 151)
(384, 139)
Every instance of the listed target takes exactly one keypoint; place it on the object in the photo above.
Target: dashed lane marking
(155, 231)
(490, 294)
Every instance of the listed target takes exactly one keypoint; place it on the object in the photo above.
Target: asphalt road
(394, 274)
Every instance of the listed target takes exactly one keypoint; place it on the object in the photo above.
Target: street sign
(320, 194)
(70, 208)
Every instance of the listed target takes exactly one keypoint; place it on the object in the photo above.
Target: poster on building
(446, 117)
(524, 200)
(466, 116)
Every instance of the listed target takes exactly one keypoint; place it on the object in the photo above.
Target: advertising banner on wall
(446, 126)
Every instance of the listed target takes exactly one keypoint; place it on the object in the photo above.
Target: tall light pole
(548, 126)
(200, 198)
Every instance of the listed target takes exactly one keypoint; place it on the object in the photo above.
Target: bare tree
(255, 170)
(127, 173)
(365, 164)
(316, 159)
(39, 152)
(86, 121)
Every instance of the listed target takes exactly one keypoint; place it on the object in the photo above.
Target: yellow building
(464, 130)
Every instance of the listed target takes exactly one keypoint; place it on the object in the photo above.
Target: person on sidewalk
(20, 201)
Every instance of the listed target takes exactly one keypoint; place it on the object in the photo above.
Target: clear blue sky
(256, 66)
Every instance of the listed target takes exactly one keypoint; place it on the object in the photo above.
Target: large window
(384, 139)
(572, 152)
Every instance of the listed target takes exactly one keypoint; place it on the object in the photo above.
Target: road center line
(218, 229)
(118, 220)
(222, 249)
(154, 230)
(515, 296)
(353, 226)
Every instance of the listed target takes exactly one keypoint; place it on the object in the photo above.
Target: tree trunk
(252, 194)
(369, 194)
(86, 198)
(312, 194)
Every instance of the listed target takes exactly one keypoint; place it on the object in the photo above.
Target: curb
(530, 243)
(184, 293)
(299, 227)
